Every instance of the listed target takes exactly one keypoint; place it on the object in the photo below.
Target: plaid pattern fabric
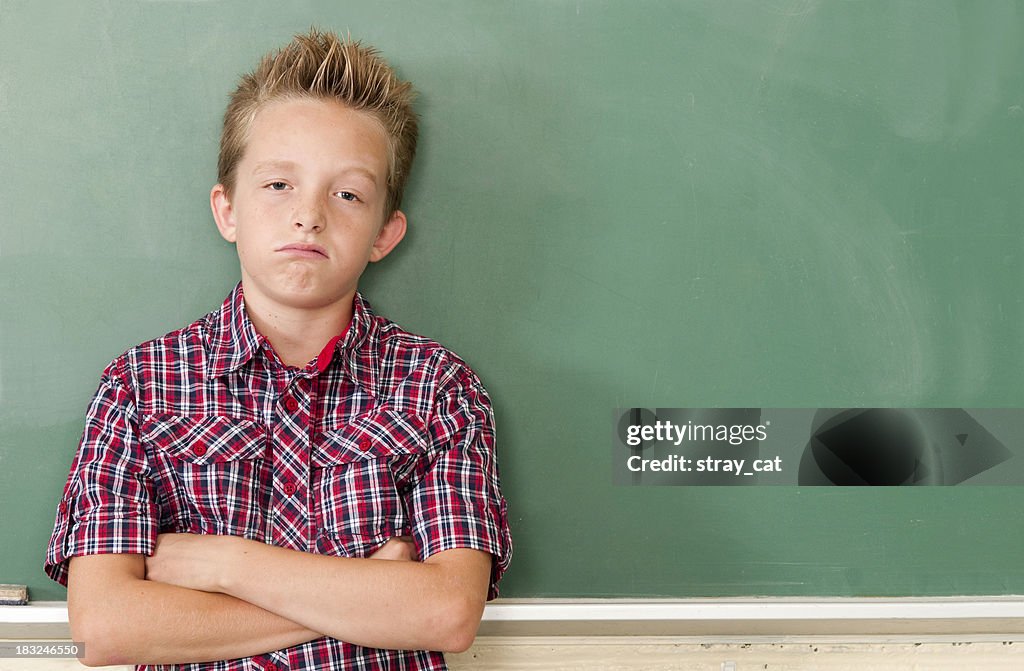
(205, 431)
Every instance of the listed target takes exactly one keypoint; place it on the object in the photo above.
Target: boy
(240, 481)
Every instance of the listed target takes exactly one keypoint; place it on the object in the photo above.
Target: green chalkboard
(766, 203)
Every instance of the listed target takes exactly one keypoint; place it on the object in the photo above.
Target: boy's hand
(190, 560)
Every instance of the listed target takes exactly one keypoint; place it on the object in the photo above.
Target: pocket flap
(204, 440)
(377, 435)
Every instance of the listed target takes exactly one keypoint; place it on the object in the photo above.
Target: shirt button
(271, 667)
(291, 405)
(199, 450)
(289, 488)
(364, 444)
(63, 507)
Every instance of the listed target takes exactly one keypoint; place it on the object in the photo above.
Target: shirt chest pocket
(361, 474)
(209, 473)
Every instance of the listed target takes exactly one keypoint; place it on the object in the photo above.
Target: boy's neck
(297, 334)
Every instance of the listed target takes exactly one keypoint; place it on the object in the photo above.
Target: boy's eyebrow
(365, 172)
(270, 166)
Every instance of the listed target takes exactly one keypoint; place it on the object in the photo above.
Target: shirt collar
(234, 340)
(352, 338)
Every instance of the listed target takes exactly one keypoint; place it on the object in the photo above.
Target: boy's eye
(346, 195)
(278, 186)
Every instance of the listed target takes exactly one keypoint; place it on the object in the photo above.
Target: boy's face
(307, 208)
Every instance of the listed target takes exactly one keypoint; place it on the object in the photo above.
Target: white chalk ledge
(710, 620)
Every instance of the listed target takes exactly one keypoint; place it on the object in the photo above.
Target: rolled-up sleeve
(458, 503)
(108, 504)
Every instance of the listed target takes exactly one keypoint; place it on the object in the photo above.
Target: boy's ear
(223, 213)
(390, 235)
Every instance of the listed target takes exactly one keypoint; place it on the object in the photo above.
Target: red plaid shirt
(205, 431)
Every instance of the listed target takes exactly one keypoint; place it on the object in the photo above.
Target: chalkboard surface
(617, 204)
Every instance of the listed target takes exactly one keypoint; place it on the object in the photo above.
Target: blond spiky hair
(323, 66)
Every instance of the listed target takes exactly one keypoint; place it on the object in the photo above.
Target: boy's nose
(309, 216)
(303, 223)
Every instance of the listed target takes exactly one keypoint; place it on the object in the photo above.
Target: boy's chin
(312, 300)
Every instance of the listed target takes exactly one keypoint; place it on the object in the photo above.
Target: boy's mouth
(304, 250)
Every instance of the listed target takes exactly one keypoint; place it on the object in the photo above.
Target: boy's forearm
(435, 604)
(382, 604)
(136, 621)
(165, 624)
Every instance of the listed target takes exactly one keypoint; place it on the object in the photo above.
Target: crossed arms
(205, 598)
